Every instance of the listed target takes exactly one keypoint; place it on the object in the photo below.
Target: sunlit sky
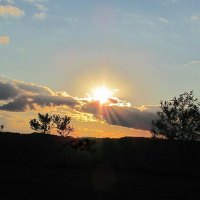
(145, 51)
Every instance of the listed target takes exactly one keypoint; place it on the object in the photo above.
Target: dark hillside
(39, 166)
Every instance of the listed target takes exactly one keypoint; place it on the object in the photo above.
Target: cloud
(4, 40)
(40, 15)
(163, 20)
(42, 11)
(22, 96)
(41, 7)
(195, 18)
(10, 10)
(27, 102)
(17, 105)
(7, 91)
(19, 96)
(149, 108)
(193, 63)
(32, 88)
(122, 115)
(128, 117)
(137, 19)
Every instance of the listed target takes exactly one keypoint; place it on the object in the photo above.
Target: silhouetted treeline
(158, 156)
(43, 166)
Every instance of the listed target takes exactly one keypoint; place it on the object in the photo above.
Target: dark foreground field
(47, 167)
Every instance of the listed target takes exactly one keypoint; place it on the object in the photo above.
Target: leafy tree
(62, 124)
(179, 118)
(2, 127)
(42, 124)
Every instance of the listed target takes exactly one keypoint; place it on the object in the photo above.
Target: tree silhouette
(62, 124)
(42, 124)
(179, 118)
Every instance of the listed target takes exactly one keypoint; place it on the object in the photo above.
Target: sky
(54, 53)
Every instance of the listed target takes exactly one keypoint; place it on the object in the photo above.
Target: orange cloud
(11, 10)
(4, 40)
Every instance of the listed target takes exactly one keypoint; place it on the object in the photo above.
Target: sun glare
(102, 94)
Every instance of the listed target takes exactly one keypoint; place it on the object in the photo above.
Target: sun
(102, 94)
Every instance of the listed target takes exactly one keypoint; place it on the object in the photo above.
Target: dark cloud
(128, 117)
(11, 89)
(23, 103)
(7, 91)
(43, 100)
(23, 96)
(122, 116)
(17, 105)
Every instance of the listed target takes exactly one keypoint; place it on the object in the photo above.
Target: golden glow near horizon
(102, 94)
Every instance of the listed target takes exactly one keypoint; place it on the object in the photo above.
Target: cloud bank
(19, 96)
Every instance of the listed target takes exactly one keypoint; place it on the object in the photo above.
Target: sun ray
(102, 94)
